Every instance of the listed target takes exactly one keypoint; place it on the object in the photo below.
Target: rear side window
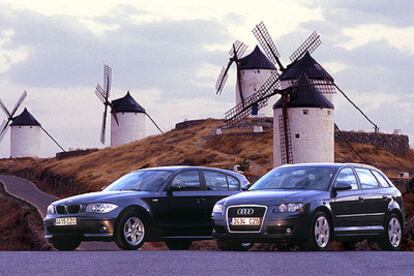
(187, 181)
(383, 182)
(347, 176)
(367, 179)
(216, 181)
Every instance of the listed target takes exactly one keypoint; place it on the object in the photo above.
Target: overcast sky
(168, 54)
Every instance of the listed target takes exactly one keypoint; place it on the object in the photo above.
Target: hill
(192, 144)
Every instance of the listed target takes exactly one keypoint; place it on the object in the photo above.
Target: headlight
(218, 209)
(100, 208)
(50, 209)
(289, 207)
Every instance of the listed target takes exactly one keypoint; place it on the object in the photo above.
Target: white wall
(251, 81)
(316, 135)
(131, 128)
(25, 141)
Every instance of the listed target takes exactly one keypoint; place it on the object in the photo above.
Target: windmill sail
(309, 45)
(266, 41)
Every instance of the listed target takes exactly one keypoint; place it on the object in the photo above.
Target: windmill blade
(4, 108)
(266, 41)
(260, 98)
(103, 129)
(155, 124)
(237, 50)
(53, 139)
(3, 129)
(100, 93)
(324, 86)
(18, 103)
(222, 79)
(309, 45)
(285, 137)
(107, 80)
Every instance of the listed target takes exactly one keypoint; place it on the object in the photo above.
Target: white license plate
(65, 221)
(245, 221)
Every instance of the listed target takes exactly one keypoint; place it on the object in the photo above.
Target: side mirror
(342, 186)
(245, 187)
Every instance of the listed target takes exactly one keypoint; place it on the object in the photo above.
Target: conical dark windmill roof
(306, 65)
(256, 60)
(305, 95)
(126, 104)
(25, 119)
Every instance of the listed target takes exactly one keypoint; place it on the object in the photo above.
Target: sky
(169, 53)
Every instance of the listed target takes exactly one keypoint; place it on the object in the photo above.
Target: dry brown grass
(196, 145)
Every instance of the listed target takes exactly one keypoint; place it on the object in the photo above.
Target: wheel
(393, 234)
(178, 244)
(130, 231)
(66, 244)
(234, 245)
(320, 235)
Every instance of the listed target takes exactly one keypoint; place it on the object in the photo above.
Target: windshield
(296, 177)
(151, 180)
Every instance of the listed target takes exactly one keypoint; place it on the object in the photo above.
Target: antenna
(309, 45)
(265, 40)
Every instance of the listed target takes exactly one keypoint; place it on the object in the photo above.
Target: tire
(393, 234)
(234, 245)
(178, 244)
(130, 231)
(66, 244)
(320, 236)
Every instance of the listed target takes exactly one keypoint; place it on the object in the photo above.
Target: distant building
(25, 136)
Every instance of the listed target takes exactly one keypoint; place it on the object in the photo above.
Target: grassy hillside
(194, 145)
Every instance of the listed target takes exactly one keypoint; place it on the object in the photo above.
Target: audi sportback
(171, 204)
(311, 205)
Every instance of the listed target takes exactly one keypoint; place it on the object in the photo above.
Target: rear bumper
(275, 229)
(86, 229)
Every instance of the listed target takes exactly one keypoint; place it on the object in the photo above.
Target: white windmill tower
(128, 116)
(252, 72)
(25, 131)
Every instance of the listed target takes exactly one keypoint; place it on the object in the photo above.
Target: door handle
(360, 198)
(200, 200)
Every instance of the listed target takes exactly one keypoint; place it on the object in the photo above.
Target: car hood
(102, 197)
(272, 197)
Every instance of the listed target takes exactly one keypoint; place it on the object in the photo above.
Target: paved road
(27, 191)
(206, 263)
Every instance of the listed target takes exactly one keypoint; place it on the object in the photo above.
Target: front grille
(71, 209)
(245, 212)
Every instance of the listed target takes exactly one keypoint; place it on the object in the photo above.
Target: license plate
(245, 221)
(65, 221)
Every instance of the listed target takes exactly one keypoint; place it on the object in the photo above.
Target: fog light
(288, 230)
(103, 228)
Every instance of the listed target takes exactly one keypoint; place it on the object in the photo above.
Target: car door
(374, 204)
(218, 185)
(184, 205)
(347, 205)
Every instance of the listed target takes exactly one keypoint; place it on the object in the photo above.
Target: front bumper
(88, 228)
(277, 227)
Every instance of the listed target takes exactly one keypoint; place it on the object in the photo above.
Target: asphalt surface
(206, 263)
(27, 191)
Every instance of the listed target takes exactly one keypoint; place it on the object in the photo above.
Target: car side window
(347, 176)
(234, 184)
(367, 179)
(215, 181)
(186, 181)
(383, 182)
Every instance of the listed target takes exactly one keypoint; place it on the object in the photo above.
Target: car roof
(332, 165)
(179, 168)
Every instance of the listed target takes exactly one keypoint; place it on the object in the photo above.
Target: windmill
(25, 133)
(307, 89)
(128, 116)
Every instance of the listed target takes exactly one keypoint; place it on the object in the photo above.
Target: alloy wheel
(321, 231)
(394, 232)
(134, 231)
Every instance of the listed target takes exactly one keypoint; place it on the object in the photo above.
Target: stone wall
(394, 143)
